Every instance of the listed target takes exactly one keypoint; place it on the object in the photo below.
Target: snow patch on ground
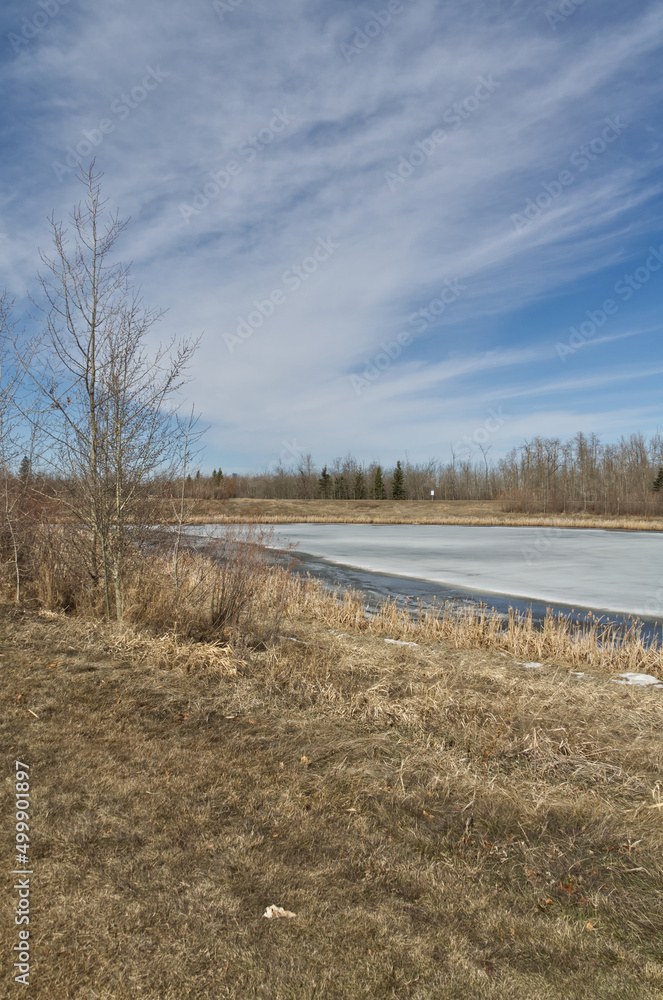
(399, 642)
(530, 666)
(639, 680)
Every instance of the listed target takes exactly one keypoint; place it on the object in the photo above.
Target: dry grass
(444, 822)
(594, 643)
(485, 512)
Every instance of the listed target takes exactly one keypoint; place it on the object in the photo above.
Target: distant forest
(541, 475)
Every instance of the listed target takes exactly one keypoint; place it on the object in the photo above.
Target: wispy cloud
(349, 124)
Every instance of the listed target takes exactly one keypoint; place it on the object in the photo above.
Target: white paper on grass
(277, 911)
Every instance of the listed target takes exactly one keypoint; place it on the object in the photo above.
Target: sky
(400, 227)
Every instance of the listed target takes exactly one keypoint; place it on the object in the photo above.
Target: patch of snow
(639, 680)
(530, 666)
(399, 642)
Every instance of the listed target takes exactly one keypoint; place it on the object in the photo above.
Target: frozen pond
(615, 571)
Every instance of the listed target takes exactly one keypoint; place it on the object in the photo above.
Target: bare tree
(17, 440)
(111, 404)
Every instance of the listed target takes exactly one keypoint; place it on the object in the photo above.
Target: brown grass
(443, 821)
(595, 643)
(485, 512)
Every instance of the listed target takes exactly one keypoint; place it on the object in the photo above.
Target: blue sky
(396, 224)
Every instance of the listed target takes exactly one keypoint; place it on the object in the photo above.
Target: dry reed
(594, 642)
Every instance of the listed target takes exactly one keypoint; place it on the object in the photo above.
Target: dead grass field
(486, 512)
(444, 822)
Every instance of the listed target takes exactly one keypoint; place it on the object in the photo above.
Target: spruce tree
(658, 482)
(25, 470)
(324, 485)
(340, 487)
(378, 491)
(398, 483)
(359, 487)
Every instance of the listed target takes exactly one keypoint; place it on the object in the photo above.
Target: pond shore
(474, 512)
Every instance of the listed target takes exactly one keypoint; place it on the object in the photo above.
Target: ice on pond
(618, 571)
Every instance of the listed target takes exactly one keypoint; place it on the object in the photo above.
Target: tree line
(543, 475)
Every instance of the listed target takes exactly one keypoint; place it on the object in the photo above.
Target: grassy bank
(486, 512)
(443, 820)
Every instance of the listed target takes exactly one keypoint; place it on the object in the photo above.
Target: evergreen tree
(340, 487)
(398, 483)
(359, 487)
(25, 470)
(324, 485)
(378, 491)
(658, 482)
